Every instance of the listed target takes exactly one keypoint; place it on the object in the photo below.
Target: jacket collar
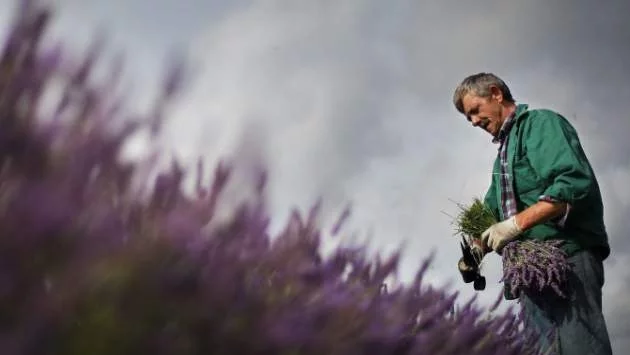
(509, 122)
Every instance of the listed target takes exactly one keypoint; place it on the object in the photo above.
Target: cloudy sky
(351, 100)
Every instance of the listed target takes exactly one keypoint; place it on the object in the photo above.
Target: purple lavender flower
(535, 266)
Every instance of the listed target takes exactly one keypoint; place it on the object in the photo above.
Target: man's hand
(499, 234)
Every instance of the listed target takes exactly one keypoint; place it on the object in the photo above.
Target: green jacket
(545, 157)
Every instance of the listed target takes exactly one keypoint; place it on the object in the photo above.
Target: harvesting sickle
(469, 265)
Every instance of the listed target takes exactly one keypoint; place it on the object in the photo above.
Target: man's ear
(496, 93)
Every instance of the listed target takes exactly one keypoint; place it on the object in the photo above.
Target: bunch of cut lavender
(92, 261)
(535, 266)
(528, 265)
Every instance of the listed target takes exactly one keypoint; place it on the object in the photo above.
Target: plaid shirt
(508, 197)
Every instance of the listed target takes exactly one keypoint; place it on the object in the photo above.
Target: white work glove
(499, 234)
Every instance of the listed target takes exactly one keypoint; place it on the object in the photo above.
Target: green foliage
(473, 219)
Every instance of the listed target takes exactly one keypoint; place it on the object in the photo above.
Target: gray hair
(479, 84)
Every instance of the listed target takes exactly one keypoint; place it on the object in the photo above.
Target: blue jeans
(576, 325)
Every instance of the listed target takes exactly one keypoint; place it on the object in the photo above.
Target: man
(543, 187)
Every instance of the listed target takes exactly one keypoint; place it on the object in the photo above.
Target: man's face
(485, 112)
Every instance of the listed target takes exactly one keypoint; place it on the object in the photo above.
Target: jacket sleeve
(555, 153)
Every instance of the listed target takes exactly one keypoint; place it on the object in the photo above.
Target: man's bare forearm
(538, 213)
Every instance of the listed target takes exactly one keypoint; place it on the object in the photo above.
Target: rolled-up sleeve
(559, 221)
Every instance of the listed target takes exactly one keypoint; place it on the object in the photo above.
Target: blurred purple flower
(89, 264)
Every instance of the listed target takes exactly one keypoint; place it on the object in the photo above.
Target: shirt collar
(505, 129)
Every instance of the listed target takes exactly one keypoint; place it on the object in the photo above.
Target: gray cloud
(357, 98)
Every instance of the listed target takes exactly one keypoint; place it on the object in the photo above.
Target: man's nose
(475, 121)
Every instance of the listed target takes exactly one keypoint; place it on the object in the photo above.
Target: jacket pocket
(525, 179)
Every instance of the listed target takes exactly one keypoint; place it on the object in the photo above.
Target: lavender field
(98, 257)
